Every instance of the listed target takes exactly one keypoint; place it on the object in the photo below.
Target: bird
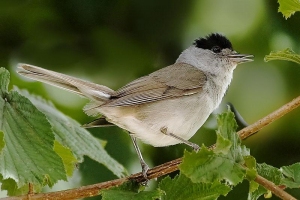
(165, 107)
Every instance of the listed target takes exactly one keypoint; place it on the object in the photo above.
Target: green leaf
(2, 144)
(66, 155)
(207, 166)
(223, 145)
(4, 81)
(225, 163)
(286, 54)
(12, 188)
(257, 193)
(182, 188)
(288, 7)
(292, 175)
(227, 130)
(128, 191)
(28, 155)
(69, 133)
(288, 176)
(269, 172)
(250, 163)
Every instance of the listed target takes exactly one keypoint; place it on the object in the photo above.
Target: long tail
(97, 93)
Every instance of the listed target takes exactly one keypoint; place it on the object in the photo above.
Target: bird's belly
(182, 117)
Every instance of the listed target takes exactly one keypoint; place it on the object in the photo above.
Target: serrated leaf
(67, 157)
(286, 54)
(257, 193)
(207, 166)
(292, 175)
(12, 188)
(288, 7)
(69, 133)
(223, 145)
(251, 173)
(182, 188)
(269, 172)
(227, 131)
(130, 191)
(227, 125)
(225, 162)
(28, 155)
(250, 163)
(253, 186)
(4, 81)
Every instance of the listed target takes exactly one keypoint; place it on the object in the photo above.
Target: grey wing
(175, 80)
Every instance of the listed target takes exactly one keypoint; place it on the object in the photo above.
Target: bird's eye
(216, 49)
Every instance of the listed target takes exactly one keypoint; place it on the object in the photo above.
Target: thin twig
(166, 168)
(273, 188)
(30, 190)
(253, 128)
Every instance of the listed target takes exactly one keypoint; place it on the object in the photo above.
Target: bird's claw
(196, 147)
(145, 169)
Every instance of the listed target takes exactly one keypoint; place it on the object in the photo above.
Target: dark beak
(240, 58)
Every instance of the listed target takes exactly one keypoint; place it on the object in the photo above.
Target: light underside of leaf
(2, 144)
(69, 133)
(286, 54)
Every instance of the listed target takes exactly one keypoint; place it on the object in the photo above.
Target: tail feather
(84, 88)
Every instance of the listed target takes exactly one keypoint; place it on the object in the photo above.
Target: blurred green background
(113, 42)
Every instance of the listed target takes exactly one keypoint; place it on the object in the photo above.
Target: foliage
(288, 7)
(207, 174)
(38, 136)
(182, 187)
(40, 145)
(286, 54)
(130, 190)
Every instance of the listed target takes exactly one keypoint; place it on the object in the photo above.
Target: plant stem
(253, 128)
(273, 188)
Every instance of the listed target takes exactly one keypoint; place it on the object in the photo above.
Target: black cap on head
(215, 42)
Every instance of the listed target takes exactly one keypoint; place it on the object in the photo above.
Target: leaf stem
(171, 166)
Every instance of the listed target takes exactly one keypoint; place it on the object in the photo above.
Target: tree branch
(273, 188)
(253, 128)
(166, 168)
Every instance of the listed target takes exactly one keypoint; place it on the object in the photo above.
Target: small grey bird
(166, 107)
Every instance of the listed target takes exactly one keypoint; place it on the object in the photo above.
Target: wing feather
(175, 80)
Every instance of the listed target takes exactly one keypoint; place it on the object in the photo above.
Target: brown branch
(166, 168)
(253, 128)
(94, 190)
(273, 188)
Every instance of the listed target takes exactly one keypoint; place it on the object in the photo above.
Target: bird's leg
(144, 165)
(196, 147)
